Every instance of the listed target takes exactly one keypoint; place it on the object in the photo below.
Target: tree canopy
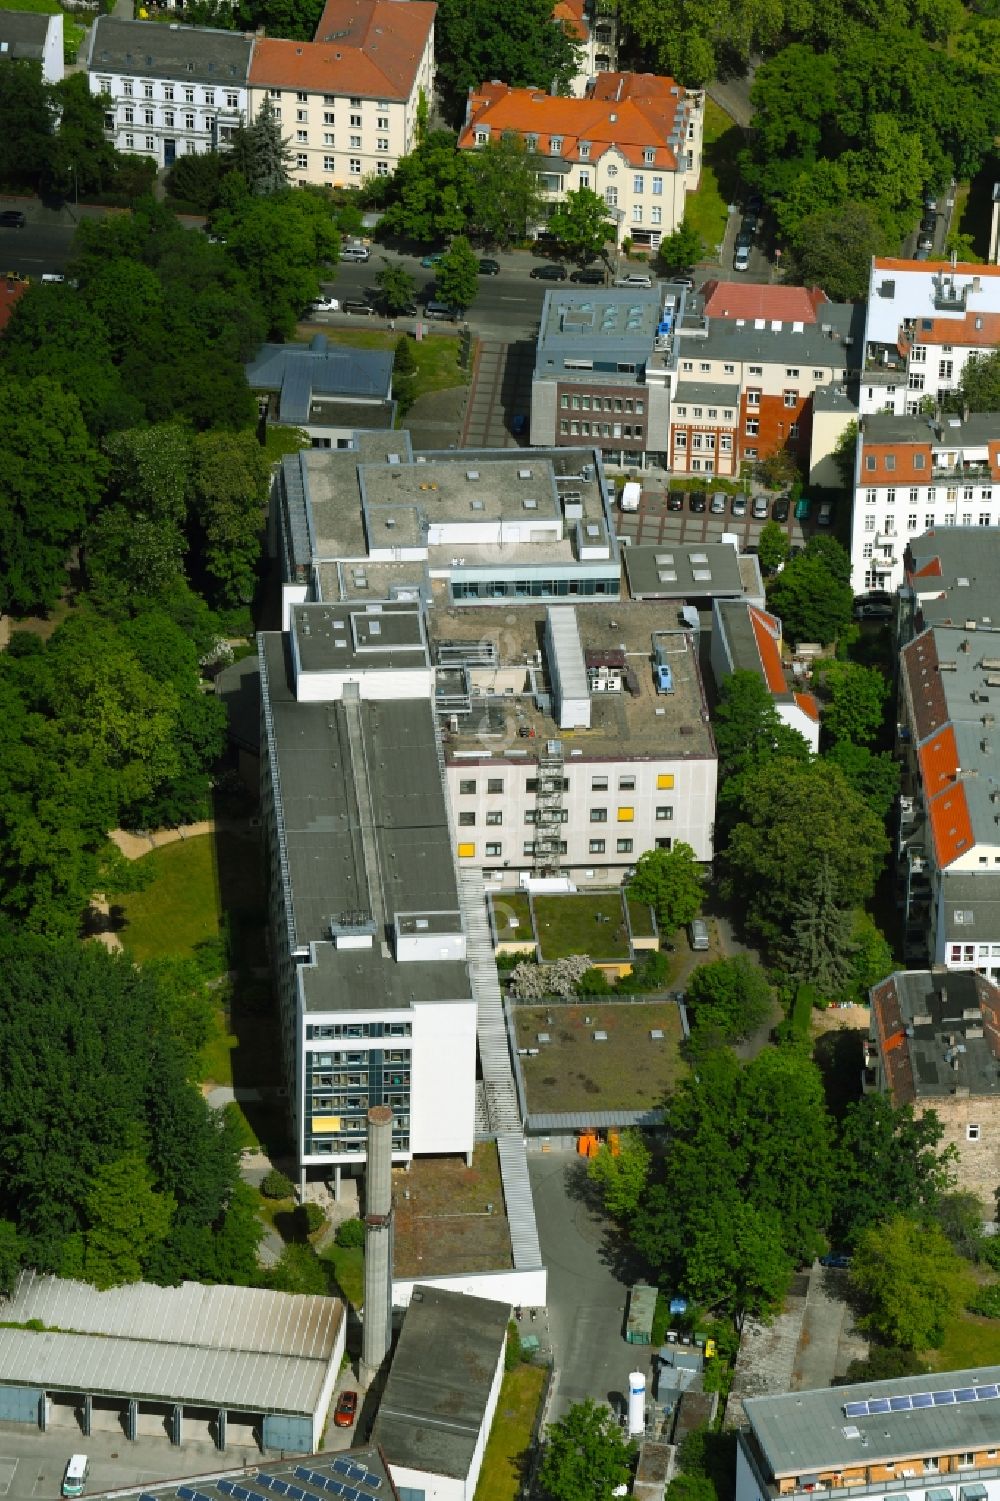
(813, 602)
(586, 1457)
(912, 1281)
(730, 997)
(581, 225)
(669, 881)
(521, 44)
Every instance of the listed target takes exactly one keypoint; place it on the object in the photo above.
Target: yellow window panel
(665, 780)
(626, 815)
(326, 1123)
(466, 851)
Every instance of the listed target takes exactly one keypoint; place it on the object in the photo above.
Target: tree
(581, 225)
(457, 275)
(404, 371)
(855, 701)
(230, 477)
(883, 1363)
(875, 778)
(818, 949)
(80, 158)
(586, 1455)
(679, 251)
(261, 153)
(747, 728)
(812, 603)
(730, 996)
(845, 452)
(772, 546)
(911, 1280)
(27, 121)
(669, 881)
(887, 1163)
(280, 242)
(980, 382)
(523, 46)
(11, 1256)
(127, 1218)
(621, 1177)
(788, 816)
(426, 198)
(503, 193)
(533, 982)
(51, 481)
(197, 177)
(834, 247)
(872, 958)
(397, 286)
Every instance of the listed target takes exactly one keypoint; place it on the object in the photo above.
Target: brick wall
(978, 1166)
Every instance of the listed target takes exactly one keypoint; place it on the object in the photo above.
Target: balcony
(883, 363)
(974, 473)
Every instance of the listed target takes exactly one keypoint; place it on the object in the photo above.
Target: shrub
(986, 1301)
(277, 1186)
(314, 1217)
(350, 1234)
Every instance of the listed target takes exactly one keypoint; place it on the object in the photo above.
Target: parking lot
(655, 522)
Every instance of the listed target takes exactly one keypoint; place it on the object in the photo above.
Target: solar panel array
(322, 1486)
(915, 1401)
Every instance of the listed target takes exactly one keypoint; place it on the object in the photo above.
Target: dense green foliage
(911, 1281)
(669, 881)
(145, 1179)
(586, 1457)
(475, 40)
(581, 225)
(730, 997)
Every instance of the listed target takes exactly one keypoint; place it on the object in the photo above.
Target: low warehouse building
(235, 1361)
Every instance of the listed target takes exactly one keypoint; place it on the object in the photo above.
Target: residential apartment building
(917, 474)
(746, 638)
(593, 30)
(926, 1438)
(924, 323)
(468, 526)
(575, 739)
(367, 933)
(348, 101)
(935, 1045)
(171, 90)
(604, 363)
(951, 577)
(949, 837)
(747, 374)
(32, 38)
(635, 139)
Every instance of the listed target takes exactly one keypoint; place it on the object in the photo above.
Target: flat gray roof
(23, 34)
(318, 372)
(365, 980)
(635, 723)
(961, 566)
(950, 432)
(605, 326)
(801, 1433)
(822, 344)
(377, 636)
(719, 393)
(683, 570)
(235, 1347)
(404, 829)
(438, 1387)
(175, 52)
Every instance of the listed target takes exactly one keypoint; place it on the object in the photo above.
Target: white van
(631, 495)
(355, 253)
(698, 934)
(76, 1474)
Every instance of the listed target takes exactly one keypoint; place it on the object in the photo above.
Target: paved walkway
(134, 845)
(501, 387)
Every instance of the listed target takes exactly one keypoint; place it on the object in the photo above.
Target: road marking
(7, 1479)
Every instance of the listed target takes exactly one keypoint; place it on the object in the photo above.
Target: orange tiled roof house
(635, 139)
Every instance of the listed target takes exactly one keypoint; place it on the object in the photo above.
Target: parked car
(357, 305)
(698, 501)
(922, 253)
(741, 259)
(926, 241)
(75, 1475)
(929, 223)
(825, 514)
(436, 309)
(12, 218)
(519, 424)
(717, 505)
(683, 281)
(434, 259)
(698, 934)
(779, 510)
(744, 239)
(755, 204)
(325, 305)
(873, 610)
(836, 1260)
(739, 506)
(675, 500)
(759, 508)
(634, 279)
(346, 1410)
(355, 253)
(488, 267)
(589, 277)
(802, 508)
(549, 273)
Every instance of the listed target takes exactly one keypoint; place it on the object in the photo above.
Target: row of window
(328, 1146)
(302, 97)
(601, 429)
(530, 848)
(171, 120)
(728, 415)
(888, 526)
(332, 1060)
(705, 441)
(626, 814)
(621, 404)
(359, 1029)
(535, 588)
(705, 367)
(229, 98)
(468, 786)
(329, 165)
(917, 460)
(943, 493)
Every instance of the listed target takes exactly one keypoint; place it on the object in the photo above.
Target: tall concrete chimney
(378, 1245)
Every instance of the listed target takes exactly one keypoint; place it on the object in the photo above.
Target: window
(466, 851)
(328, 117)
(127, 88)
(494, 817)
(129, 142)
(596, 846)
(188, 95)
(753, 398)
(232, 101)
(611, 197)
(656, 214)
(302, 116)
(665, 812)
(168, 91)
(149, 117)
(680, 440)
(972, 1133)
(793, 430)
(915, 380)
(328, 164)
(726, 443)
(355, 143)
(494, 785)
(755, 370)
(867, 550)
(355, 122)
(598, 784)
(168, 119)
(466, 788)
(354, 166)
(150, 144)
(189, 122)
(624, 846)
(626, 784)
(637, 213)
(869, 523)
(626, 815)
(355, 103)
(382, 143)
(984, 518)
(637, 183)
(598, 815)
(753, 427)
(791, 398)
(382, 122)
(585, 179)
(381, 169)
(944, 369)
(494, 851)
(911, 522)
(657, 185)
(129, 115)
(302, 136)
(147, 91)
(555, 145)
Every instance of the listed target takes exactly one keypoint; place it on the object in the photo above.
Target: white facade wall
(686, 788)
(749, 1489)
(321, 1410)
(328, 687)
(797, 719)
(527, 1289)
(53, 56)
(164, 120)
(443, 1077)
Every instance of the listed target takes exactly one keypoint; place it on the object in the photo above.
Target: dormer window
(555, 145)
(585, 149)
(649, 156)
(482, 137)
(531, 141)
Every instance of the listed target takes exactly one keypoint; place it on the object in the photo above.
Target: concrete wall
(434, 1487)
(443, 1077)
(518, 1289)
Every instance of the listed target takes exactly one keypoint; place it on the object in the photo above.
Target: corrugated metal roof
(570, 669)
(572, 1120)
(228, 1346)
(519, 1203)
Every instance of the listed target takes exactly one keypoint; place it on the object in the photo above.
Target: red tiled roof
(571, 14)
(10, 294)
(767, 637)
(809, 704)
(923, 677)
(931, 570)
(963, 268)
(951, 825)
(366, 47)
(618, 86)
(636, 123)
(974, 328)
(777, 304)
(890, 1034)
(938, 759)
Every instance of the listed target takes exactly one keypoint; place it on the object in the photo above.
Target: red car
(346, 1410)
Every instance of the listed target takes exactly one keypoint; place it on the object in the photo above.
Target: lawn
(74, 30)
(348, 1264)
(572, 1073)
(442, 1221)
(640, 918)
(586, 923)
(193, 882)
(969, 1341)
(708, 209)
(508, 904)
(436, 355)
(502, 1474)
